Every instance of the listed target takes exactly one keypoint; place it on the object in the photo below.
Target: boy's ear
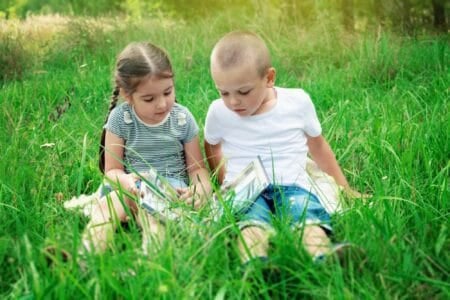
(271, 74)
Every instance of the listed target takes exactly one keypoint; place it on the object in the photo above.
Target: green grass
(383, 102)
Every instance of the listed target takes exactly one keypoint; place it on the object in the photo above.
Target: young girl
(148, 128)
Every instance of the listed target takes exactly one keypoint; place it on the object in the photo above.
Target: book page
(246, 187)
(157, 196)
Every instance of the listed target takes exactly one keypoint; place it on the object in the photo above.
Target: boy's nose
(235, 101)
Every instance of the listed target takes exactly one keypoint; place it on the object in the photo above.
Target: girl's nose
(162, 103)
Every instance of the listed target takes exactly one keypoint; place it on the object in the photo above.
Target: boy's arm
(323, 155)
(214, 157)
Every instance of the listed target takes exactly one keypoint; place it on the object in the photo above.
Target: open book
(240, 193)
(323, 185)
(158, 197)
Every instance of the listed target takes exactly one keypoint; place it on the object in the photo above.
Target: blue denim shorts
(291, 204)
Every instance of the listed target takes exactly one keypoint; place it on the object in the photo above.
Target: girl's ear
(128, 98)
(271, 77)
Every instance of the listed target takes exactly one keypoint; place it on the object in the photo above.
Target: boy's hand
(351, 193)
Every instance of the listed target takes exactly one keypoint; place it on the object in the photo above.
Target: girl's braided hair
(137, 62)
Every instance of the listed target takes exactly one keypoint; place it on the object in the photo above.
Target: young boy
(253, 117)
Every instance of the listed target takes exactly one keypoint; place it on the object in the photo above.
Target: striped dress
(158, 145)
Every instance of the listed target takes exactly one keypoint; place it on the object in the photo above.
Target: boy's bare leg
(315, 240)
(104, 218)
(152, 231)
(254, 243)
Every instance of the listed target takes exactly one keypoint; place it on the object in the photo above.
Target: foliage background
(376, 70)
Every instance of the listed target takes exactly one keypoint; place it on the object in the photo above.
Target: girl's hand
(190, 197)
(128, 181)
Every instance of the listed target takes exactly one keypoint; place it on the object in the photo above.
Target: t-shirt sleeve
(212, 132)
(312, 125)
(191, 125)
(115, 123)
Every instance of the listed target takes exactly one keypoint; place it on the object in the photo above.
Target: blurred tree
(440, 21)
(193, 9)
(303, 12)
(348, 18)
(407, 15)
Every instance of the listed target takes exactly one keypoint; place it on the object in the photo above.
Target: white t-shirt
(277, 136)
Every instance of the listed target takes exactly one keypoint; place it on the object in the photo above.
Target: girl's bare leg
(254, 243)
(153, 231)
(105, 216)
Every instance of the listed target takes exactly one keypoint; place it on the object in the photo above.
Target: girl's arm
(214, 157)
(114, 168)
(198, 173)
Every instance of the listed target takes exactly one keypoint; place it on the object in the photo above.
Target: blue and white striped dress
(160, 145)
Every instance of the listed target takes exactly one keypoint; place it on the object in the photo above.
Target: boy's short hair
(239, 47)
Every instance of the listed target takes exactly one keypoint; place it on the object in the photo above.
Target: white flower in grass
(48, 145)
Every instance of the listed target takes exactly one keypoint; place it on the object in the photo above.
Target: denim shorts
(291, 204)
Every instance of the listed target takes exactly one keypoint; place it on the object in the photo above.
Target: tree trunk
(347, 14)
(439, 14)
(378, 8)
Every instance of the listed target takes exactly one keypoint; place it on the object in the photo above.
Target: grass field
(383, 102)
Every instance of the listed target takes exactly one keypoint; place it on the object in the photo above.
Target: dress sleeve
(186, 116)
(116, 122)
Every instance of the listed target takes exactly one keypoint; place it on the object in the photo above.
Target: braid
(112, 105)
(114, 99)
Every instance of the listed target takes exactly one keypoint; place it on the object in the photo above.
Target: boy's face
(243, 90)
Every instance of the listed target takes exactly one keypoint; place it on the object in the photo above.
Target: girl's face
(153, 99)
